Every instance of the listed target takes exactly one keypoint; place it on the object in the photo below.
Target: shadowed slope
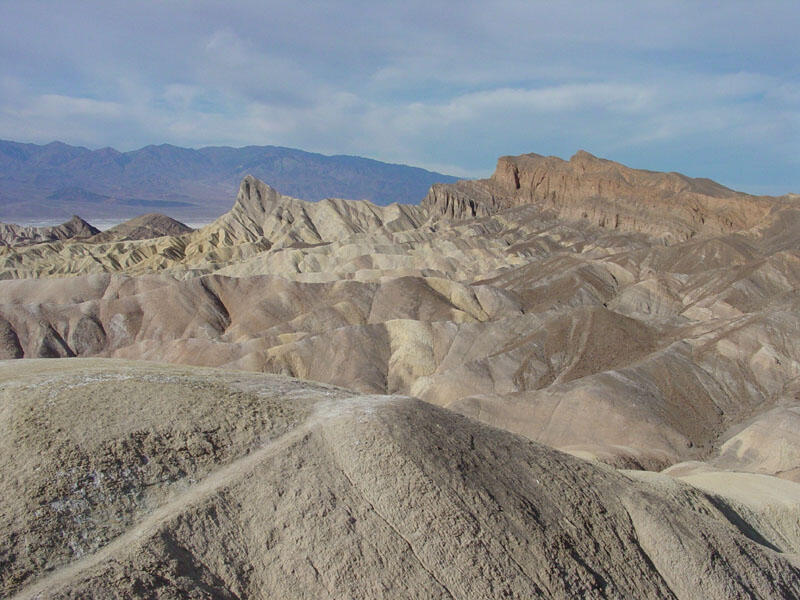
(529, 321)
(17, 235)
(260, 486)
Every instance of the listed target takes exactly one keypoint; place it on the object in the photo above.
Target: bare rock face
(260, 212)
(141, 480)
(46, 342)
(260, 219)
(17, 235)
(603, 193)
(522, 319)
(464, 200)
(86, 336)
(646, 321)
(769, 444)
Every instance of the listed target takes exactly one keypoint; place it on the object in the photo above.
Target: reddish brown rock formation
(604, 193)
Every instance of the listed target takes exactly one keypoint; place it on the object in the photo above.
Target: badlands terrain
(572, 379)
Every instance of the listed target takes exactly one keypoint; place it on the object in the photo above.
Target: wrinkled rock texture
(152, 225)
(639, 320)
(16, 235)
(603, 193)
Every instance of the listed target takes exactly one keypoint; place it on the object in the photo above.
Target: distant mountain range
(56, 180)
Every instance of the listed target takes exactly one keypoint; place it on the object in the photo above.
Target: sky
(710, 89)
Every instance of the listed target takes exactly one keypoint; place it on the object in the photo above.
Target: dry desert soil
(570, 380)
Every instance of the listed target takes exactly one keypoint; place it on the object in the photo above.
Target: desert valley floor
(570, 380)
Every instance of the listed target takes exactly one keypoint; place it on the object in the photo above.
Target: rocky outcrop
(9, 342)
(464, 200)
(521, 319)
(680, 360)
(18, 235)
(262, 213)
(260, 219)
(600, 192)
(526, 322)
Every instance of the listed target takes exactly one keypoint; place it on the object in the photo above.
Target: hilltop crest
(603, 193)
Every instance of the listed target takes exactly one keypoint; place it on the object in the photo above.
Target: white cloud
(181, 96)
(621, 97)
(418, 82)
(56, 106)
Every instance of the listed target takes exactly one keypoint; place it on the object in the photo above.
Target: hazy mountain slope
(215, 484)
(57, 179)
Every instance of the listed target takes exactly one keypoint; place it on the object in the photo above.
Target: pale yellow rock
(653, 330)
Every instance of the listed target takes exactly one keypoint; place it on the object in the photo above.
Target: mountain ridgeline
(59, 180)
(601, 192)
(572, 379)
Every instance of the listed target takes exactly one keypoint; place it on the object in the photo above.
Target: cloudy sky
(705, 88)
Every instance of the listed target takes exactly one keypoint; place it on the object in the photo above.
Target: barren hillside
(137, 480)
(636, 320)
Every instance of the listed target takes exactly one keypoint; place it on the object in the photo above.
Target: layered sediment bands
(261, 486)
(261, 212)
(261, 219)
(603, 193)
(602, 341)
(642, 320)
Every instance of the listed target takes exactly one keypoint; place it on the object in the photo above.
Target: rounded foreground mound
(124, 479)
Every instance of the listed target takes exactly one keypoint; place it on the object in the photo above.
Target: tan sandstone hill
(524, 320)
(659, 331)
(261, 219)
(137, 480)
